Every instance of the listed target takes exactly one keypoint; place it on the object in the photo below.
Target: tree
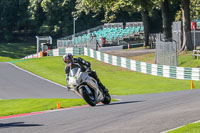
(187, 40)
(185, 17)
(8, 17)
(15, 20)
(12, 17)
(167, 7)
(194, 9)
(52, 17)
(145, 9)
(37, 15)
(167, 22)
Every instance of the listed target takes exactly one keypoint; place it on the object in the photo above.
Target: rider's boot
(105, 91)
(94, 75)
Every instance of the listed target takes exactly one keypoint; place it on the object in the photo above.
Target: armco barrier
(143, 67)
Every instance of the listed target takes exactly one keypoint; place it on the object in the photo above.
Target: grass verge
(18, 106)
(185, 59)
(118, 80)
(190, 128)
(21, 106)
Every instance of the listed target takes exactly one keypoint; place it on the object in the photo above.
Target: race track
(148, 113)
(15, 84)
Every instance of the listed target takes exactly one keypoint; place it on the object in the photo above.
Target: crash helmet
(68, 59)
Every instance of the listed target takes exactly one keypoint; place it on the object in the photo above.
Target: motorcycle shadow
(118, 103)
(17, 124)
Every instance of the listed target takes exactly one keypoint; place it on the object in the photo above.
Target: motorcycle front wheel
(107, 99)
(89, 98)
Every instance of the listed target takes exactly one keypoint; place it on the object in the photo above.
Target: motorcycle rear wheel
(90, 99)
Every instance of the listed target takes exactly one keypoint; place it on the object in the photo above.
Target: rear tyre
(107, 99)
(89, 98)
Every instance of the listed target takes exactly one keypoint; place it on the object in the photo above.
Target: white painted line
(172, 129)
(196, 121)
(37, 75)
(179, 127)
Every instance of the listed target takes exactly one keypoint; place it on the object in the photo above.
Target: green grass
(12, 51)
(51, 68)
(118, 80)
(18, 106)
(190, 128)
(185, 59)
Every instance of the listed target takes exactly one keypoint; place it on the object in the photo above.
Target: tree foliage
(51, 16)
(194, 11)
(14, 18)
(22, 19)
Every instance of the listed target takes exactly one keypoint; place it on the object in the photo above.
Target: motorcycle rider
(85, 67)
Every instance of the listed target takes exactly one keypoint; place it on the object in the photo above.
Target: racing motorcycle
(86, 87)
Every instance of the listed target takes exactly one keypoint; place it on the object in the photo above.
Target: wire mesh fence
(195, 38)
(177, 35)
(166, 53)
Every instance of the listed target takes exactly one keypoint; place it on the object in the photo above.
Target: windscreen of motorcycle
(73, 72)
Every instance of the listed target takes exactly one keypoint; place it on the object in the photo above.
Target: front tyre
(107, 99)
(89, 98)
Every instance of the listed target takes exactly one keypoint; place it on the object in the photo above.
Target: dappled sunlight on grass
(17, 50)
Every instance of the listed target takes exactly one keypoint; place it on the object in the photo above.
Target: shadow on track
(17, 124)
(118, 103)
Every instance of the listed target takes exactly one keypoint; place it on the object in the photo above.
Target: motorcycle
(86, 87)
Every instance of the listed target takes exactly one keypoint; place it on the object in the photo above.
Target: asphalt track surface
(148, 113)
(15, 84)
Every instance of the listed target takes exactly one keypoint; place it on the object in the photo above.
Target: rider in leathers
(85, 67)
